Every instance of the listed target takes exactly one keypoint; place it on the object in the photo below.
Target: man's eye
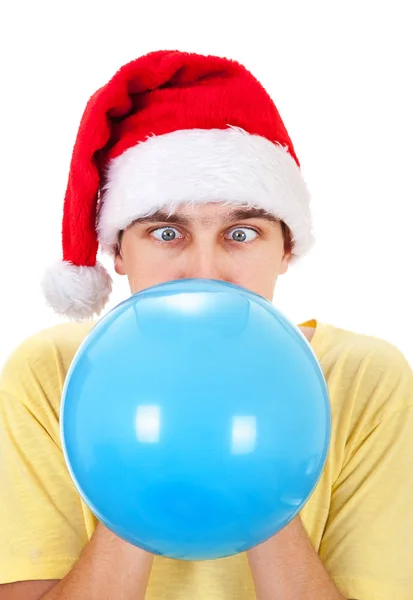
(238, 234)
(165, 234)
(242, 234)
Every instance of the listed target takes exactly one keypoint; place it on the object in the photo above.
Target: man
(183, 168)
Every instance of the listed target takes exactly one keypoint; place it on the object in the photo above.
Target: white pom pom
(77, 292)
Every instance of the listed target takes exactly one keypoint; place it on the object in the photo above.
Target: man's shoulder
(44, 356)
(370, 367)
(65, 338)
(361, 347)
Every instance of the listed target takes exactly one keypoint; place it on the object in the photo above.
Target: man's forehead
(207, 215)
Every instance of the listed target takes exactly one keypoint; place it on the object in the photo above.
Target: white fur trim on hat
(77, 292)
(205, 165)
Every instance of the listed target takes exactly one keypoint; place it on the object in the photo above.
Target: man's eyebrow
(252, 213)
(237, 214)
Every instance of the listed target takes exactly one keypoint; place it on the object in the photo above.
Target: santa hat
(170, 128)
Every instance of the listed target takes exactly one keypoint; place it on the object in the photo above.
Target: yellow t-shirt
(359, 518)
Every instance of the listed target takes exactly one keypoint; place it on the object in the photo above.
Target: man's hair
(288, 239)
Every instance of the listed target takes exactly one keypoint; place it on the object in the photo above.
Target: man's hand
(286, 567)
(107, 568)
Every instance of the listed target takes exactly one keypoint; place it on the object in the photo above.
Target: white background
(341, 76)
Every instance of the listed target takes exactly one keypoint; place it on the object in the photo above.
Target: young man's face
(210, 241)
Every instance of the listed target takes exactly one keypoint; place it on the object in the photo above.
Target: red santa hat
(170, 128)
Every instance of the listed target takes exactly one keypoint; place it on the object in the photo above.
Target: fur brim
(199, 166)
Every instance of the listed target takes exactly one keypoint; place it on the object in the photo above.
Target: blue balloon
(195, 420)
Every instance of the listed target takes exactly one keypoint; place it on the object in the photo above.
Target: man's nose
(204, 264)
